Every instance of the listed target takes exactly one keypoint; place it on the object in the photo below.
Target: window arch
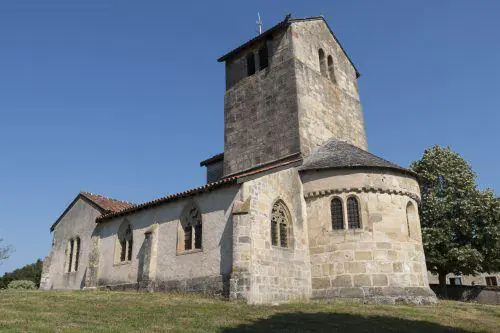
(263, 57)
(337, 212)
(280, 224)
(73, 254)
(331, 69)
(125, 242)
(190, 234)
(250, 64)
(322, 63)
(353, 213)
(411, 217)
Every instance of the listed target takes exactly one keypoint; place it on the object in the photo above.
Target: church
(295, 208)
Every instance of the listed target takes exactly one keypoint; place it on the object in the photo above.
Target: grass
(36, 311)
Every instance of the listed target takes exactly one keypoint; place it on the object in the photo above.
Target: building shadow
(323, 322)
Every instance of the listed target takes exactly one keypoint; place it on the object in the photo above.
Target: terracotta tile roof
(107, 204)
(239, 178)
(103, 204)
(168, 198)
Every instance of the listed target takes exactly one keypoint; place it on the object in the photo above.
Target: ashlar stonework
(295, 208)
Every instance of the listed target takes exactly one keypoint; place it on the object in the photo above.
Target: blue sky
(125, 98)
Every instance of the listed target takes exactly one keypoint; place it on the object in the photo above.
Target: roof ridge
(166, 198)
(87, 194)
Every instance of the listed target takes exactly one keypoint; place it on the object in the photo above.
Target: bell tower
(288, 90)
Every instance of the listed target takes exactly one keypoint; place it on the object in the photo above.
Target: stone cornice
(327, 192)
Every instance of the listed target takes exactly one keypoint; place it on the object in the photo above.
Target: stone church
(295, 207)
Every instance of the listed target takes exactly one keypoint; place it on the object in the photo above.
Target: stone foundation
(211, 285)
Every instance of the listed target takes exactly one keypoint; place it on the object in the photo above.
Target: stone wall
(156, 261)
(382, 260)
(469, 280)
(327, 108)
(260, 111)
(264, 273)
(79, 221)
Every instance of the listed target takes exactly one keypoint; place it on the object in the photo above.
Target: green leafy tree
(460, 223)
(31, 272)
(4, 252)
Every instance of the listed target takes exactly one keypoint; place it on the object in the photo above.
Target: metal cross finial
(259, 24)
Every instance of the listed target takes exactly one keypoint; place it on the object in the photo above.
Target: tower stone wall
(328, 104)
(260, 117)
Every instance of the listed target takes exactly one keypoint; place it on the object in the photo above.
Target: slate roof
(335, 154)
(104, 204)
(213, 159)
(284, 24)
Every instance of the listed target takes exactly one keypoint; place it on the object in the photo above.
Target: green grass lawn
(37, 311)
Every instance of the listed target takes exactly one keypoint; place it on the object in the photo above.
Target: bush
(21, 284)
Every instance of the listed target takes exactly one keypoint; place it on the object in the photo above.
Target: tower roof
(336, 154)
(283, 25)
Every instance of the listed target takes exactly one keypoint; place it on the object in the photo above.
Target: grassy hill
(37, 311)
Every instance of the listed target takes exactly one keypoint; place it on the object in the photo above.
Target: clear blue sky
(125, 98)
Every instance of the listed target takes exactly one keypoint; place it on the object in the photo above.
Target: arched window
(411, 217)
(77, 253)
(191, 229)
(250, 64)
(263, 57)
(126, 241)
(353, 213)
(70, 259)
(331, 69)
(73, 254)
(280, 225)
(322, 63)
(337, 214)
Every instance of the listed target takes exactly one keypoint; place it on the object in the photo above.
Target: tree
(31, 272)
(4, 252)
(460, 223)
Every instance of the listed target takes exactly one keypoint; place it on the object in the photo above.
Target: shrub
(21, 284)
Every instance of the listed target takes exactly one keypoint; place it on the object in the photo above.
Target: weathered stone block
(355, 267)
(352, 293)
(342, 281)
(380, 280)
(397, 267)
(320, 283)
(363, 255)
(362, 280)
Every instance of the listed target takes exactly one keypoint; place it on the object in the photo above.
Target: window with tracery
(353, 213)
(337, 214)
(73, 254)
(191, 229)
(280, 225)
(125, 242)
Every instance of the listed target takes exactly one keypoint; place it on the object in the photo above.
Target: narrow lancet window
(322, 62)
(263, 57)
(250, 64)
(353, 213)
(337, 214)
(331, 69)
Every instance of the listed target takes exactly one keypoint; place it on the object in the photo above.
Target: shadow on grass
(334, 322)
